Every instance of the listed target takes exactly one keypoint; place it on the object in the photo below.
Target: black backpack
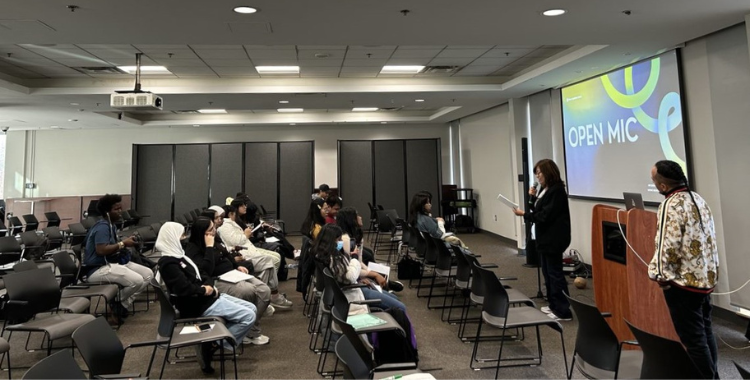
(391, 346)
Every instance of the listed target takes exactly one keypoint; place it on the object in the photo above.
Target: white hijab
(168, 244)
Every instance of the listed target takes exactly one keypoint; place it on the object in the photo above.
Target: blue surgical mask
(339, 245)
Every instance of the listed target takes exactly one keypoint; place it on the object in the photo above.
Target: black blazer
(187, 292)
(551, 215)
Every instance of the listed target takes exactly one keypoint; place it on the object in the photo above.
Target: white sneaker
(555, 317)
(281, 302)
(258, 340)
(546, 310)
(269, 311)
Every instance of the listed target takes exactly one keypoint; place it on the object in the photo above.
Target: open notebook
(235, 276)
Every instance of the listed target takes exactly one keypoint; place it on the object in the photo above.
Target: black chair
(32, 223)
(89, 222)
(136, 216)
(663, 358)
(53, 220)
(54, 236)
(77, 233)
(496, 312)
(267, 214)
(3, 229)
(33, 246)
(16, 227)
(71, 287)
(70, 304)
(61, 365)
(10, 250)
(598, 353)
(103, 351)
(745, 374)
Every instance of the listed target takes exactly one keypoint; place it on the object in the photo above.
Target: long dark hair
(198, 232)
(347, 220)
(325, 245)
(416, 206)
(313, 217)
(550, 171)
(670, 173)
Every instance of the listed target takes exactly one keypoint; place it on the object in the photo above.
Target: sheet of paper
(506, 201)
(272, 239)
(235, 276)
(193, 329)
(364, 320)
(385, 270)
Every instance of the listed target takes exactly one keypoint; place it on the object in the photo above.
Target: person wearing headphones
(686, 263)
(107, 260)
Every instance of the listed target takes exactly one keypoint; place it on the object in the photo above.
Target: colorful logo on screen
(669, 114)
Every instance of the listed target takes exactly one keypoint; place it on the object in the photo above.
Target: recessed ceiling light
(288, 110)
(284, 101)
(401, 69)
(364, 109)
(277, 69)
(145, 69)
(212, 110)
(554, 12)
(245, 10)
(419, 100)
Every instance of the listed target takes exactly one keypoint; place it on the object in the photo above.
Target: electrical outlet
(496, 218)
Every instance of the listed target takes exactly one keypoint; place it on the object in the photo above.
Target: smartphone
(204, 327)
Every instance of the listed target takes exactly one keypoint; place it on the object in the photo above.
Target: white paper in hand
(506, 201)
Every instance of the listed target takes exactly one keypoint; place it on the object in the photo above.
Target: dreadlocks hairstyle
(670, 173)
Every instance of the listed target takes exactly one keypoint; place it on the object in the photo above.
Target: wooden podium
(624, 289)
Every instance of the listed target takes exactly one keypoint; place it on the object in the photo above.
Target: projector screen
(618, 125)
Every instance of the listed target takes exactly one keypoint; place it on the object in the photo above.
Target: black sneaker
(396, 286)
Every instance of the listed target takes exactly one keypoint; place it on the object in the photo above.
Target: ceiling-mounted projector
(136, 100)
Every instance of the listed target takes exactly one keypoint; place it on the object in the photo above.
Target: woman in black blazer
(550, 214)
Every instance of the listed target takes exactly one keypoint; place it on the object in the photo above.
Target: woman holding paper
(346, 269)
(550, 214)
(195, 296)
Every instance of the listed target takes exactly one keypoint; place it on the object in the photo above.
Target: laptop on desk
(633, 200)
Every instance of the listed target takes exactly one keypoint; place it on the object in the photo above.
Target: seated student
(319, 197)
(259, 237)
(237, 219)
(314, 220)
(195, 296)
(216, 213)
(213, 264)
(346, 270)
(333, 205)
(233, 236)
(106, 259)
(420, 217)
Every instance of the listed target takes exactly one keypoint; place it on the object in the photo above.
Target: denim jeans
(239, 315)
(691, 315)
(387, 300)
(557, 285)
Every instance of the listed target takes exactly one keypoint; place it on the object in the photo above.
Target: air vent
(183, 112)
(99, 70)
(440, 69)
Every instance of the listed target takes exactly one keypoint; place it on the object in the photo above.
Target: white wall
(81, 162)
(486, 140)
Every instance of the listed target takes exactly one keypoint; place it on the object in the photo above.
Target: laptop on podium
(633, 200)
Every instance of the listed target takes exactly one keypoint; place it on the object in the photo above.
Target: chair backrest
(596, 343)
(340, 305)
(15, 225)
(384, 222)
(54, 237)
(59, 365)
(38, 287)
(100, 347)
(10, 250)
(421, 242)
(663, 358)
(373, 214)
(89, 222)
(354, 366)
(195, 214)
(463, 266)
(53, 220)
(496, 301)
(68, 268)
(477, 284)
(363, 371)
(188, 217)
(412, 236)
(156, 226)
(31, 222)
(3, 228)
(444, 257)
(30, 239)
(77, 229)
(26, 265)
(168, 313)
(431, 252)
(745, 374)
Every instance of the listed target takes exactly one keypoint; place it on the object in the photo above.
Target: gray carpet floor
(441, 353)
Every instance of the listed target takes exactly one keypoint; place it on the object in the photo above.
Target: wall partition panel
(423, 170)
(295, 182)
(190, 177)
(355, 186)
(390, 175)
(152, 188)
(226, 172)
(262, 174)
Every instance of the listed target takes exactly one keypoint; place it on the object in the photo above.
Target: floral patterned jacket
(686, 253)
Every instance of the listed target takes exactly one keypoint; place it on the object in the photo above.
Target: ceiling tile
(321, 47)
(172, 54)
(544, 53)
(228, 62)
(319, 70)
(105, 46)
(483, 47)
(328, 62)
(113, 53)
(364, 62)
(275, 62)
(405, 52)
(159, 48)
(519, 52)
(272, 54)
(332, 54)
(360, 69)
(190, 70)
(422, 47)
(373, 47)
(57, 71)
(31, 61)
(129, 61)
(477, 70)
(217, 47)
(409, 61)
(450, 61)
(17, 52)
(221, 54)
(373, 54)
(20, 73)
(169, 62)
(236, 71)
(357, 75)
(461, 53)
(54, 52)
(270, 47)
(484, 61)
